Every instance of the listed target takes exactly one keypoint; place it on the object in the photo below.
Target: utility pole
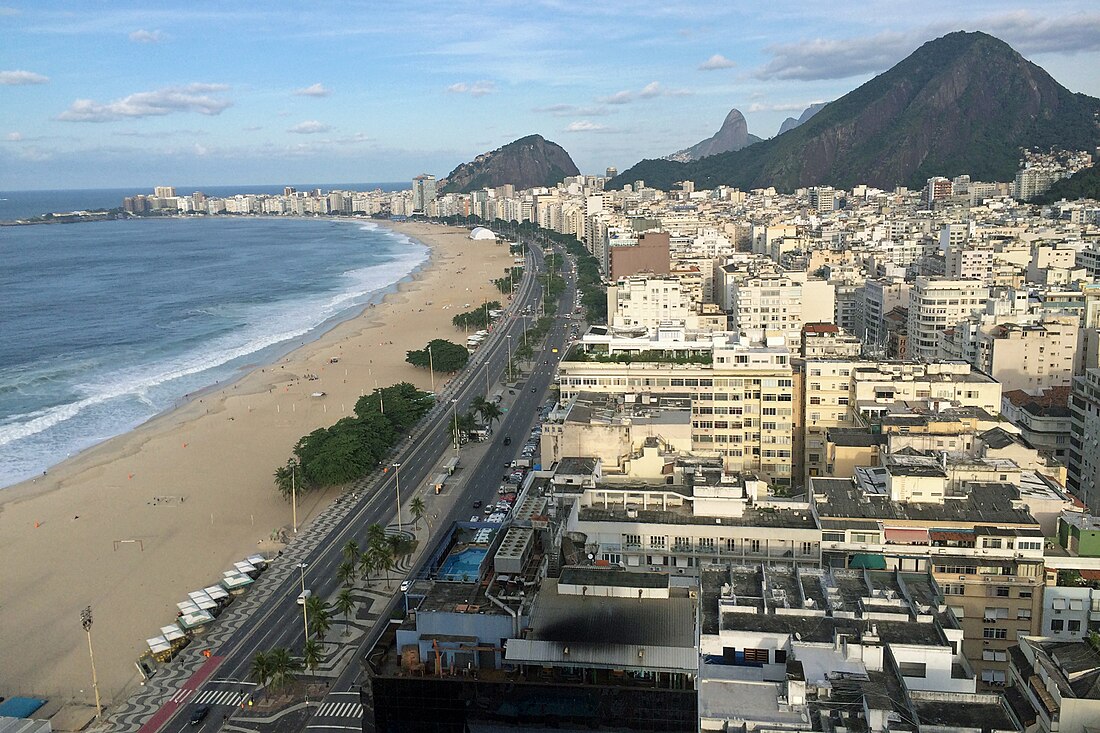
(294, 497)
(397, 477)
(431, 368)
(305, 614)
(86, 622)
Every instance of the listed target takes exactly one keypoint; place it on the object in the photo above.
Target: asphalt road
(278, 623)
(482, 485)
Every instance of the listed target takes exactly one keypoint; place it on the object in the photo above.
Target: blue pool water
(463, 566)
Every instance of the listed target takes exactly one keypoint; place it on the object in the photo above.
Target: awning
(871, 562)
(906, 535)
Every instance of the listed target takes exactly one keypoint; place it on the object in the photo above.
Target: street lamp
(294, 496)
(305, 614)
(431, 368)
(509, 338)
(86, 622)
(454, 408)
(397, 478)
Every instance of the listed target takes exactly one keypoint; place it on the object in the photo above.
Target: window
(992, 655)
(911, 669)
(992, 614)
(993, 676)
(1073, 626)
(1057, 625)
(683, 543)
(706, 544)
(954, 589)
(1025, 594)
(832, 536)
(1001, 591)
(807, 548)
(731, 545)
(1023, 614)
(657, 541)
(632, 539)
(756, 656)
(754, 545)
(990, 632)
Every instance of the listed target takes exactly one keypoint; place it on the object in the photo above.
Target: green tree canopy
(445, 356)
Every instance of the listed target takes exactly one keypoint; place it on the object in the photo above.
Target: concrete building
(646, 302)
(423, 193)
(1059, 682)
(983, 549)
(1084, 439)
(779, 304)
(828, 341)
(879, 297)
(741, 393)
(934, 306)
(1044, 421)
(649, 255)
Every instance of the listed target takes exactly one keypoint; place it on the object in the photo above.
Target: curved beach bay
(57, 533)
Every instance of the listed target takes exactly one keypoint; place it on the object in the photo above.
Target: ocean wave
(292, 320)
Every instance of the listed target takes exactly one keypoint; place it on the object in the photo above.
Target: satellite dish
(591, 556)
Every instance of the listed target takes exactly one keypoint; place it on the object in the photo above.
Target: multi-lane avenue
(277, 622)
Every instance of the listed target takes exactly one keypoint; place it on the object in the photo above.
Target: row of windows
(704, 544)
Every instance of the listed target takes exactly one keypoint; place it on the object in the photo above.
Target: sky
(98, 94)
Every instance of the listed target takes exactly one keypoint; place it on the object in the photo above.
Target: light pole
(294, 496)
(509, 339)
(305, 614)
(454, 409)
(86, 622)
(431, 368)
(397, 478)
(486, 378)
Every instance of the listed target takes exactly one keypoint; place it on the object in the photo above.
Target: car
(477, 504)
(304, 596)
(504, 489)
(405, 585)
(475, 518)
(488, 510)
(534, 390)
(507, 440)
(199, 714)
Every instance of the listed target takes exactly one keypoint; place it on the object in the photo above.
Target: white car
(304, 596)
(405, 585)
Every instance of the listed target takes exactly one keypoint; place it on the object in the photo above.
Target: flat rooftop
(836, 498)
(752, 517)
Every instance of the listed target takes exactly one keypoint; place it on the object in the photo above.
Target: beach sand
(195, 487)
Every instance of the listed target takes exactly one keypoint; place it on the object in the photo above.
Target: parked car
(199, 714)
(304, 596)
(405, 585)
(477, 505)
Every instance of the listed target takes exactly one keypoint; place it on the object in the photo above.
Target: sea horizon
(114, 324)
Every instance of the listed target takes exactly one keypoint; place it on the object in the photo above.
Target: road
(278, 622)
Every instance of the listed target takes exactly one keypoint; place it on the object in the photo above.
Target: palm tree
(283, 667)
(261, 669)
(418, 510)
(375, 533)
(366, 565)
(345, 574)
(319, 619)
(384, 557)
(351, 551)
(490, 413)
(312, 655)
(345, 604)
(477, 403)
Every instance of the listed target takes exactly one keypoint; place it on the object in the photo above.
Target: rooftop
(994, 503)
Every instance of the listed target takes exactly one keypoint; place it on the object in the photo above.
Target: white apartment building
(647, 302)
(1028, 356)
(937, 304)
(967, 262)
(879, 297)
(780, 304)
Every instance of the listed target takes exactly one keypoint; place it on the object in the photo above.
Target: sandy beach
(195, 486)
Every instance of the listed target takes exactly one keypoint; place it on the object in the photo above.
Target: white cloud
(474, 89)
(715, 62)
(585, 126)
(8, 11)
(310, 127)
(144, 36)
(572, 110)
(313, 90)
(14, 137)
(190, 98)
(649, 91)
(17, 78)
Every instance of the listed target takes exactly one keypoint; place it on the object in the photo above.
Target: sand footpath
(194, 486)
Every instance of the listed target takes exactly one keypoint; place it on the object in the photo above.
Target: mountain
(790, 123)
(526, 163)
(963, 103)
(732, 135)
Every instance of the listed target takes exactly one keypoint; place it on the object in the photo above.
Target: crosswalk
(181, 695)
(220, 697)
(340, 710)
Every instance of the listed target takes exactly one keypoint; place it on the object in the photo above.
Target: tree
(479, 402)
(345, 574)
(345, 604)
(418, 510)
(366, 566)
(351, 550)
(490, 413)
(384, 557)
(283, 667)
(445, 356)
(467, 422)
(320, 620)
(288, 478)
(260, 671)
(313, 653)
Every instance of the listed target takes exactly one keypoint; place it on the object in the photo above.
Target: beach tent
(195, 620)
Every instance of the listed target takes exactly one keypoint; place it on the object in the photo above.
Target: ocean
(106, 324)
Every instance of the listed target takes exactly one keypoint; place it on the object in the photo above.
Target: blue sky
(134, 94)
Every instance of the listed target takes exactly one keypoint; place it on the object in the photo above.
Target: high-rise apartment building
(423, 192)
(1084, 441)
(936, 304)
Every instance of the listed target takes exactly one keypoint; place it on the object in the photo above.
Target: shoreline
(218, 451)
(262, 357)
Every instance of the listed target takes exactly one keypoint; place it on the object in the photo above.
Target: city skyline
(129, 96)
